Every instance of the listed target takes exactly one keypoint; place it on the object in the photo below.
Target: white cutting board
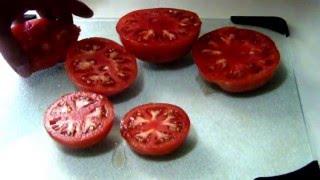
(232, 137)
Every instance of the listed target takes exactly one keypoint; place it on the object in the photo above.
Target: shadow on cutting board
(132, 91)
(186, 148)
(179, 64)
(279, 77)
(193, 160)
(112, 140)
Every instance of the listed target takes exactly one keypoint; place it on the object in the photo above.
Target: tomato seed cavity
(168, 35)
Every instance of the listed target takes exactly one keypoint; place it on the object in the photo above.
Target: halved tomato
(101, 65)
(235, 59)
(159, 35)
(45, 41)
(155, 129)
(79, 120)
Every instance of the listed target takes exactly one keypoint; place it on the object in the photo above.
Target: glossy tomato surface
(45, 41)
(155, 129)
(237, 60)
(79, 120)
(159, 35)
(101, 65)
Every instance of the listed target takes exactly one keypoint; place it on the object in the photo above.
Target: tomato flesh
(101, 65)
(45, 41)
(159, 35)
(79, 120)
(155, 129)
(237, 60)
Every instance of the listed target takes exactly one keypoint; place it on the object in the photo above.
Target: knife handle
(309, 172)
(277, 24)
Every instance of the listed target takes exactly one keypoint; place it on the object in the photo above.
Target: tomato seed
(173, 11)
(222, 63)
(96, 47)
(146, 34)
(122, 75)
(168, 35)
(82, 102)
(235, 73)
(113, 55)
(196, 24)
(154, 114)
(212, 52)
(85, 64)
(105, 68)
(70, 129)
(212, 43)
(182, 31)
(227, 40)
(91, 48)
(184, 22)
(144, 135)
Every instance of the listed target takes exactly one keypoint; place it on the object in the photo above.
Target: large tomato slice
(79, 120)
(159, 35)
(155, 128)
(235, 59)
(45, 42)
(101, 65)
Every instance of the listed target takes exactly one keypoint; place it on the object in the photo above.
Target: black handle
(309, 172)
(277, 24)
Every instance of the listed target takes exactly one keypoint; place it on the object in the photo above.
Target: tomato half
(155, 128)
(235, 59)
(79, 120)
(45, 42)
(101, 65)
(159, 35)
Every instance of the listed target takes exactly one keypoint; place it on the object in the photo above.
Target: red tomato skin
(85, 142)
(241, 85)
(245, 85)
(32, 33)
(160, 53)
(98, 90)
(159, 150)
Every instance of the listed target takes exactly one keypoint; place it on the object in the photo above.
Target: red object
(235, 59)
(45, 42)
(159, 35)
(101, 65)
(79, 120)
(155, 129)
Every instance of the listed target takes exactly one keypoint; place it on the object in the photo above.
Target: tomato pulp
(101, 65)
(155, 128)
(237, 60)
(79, 120)
(159, 35)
